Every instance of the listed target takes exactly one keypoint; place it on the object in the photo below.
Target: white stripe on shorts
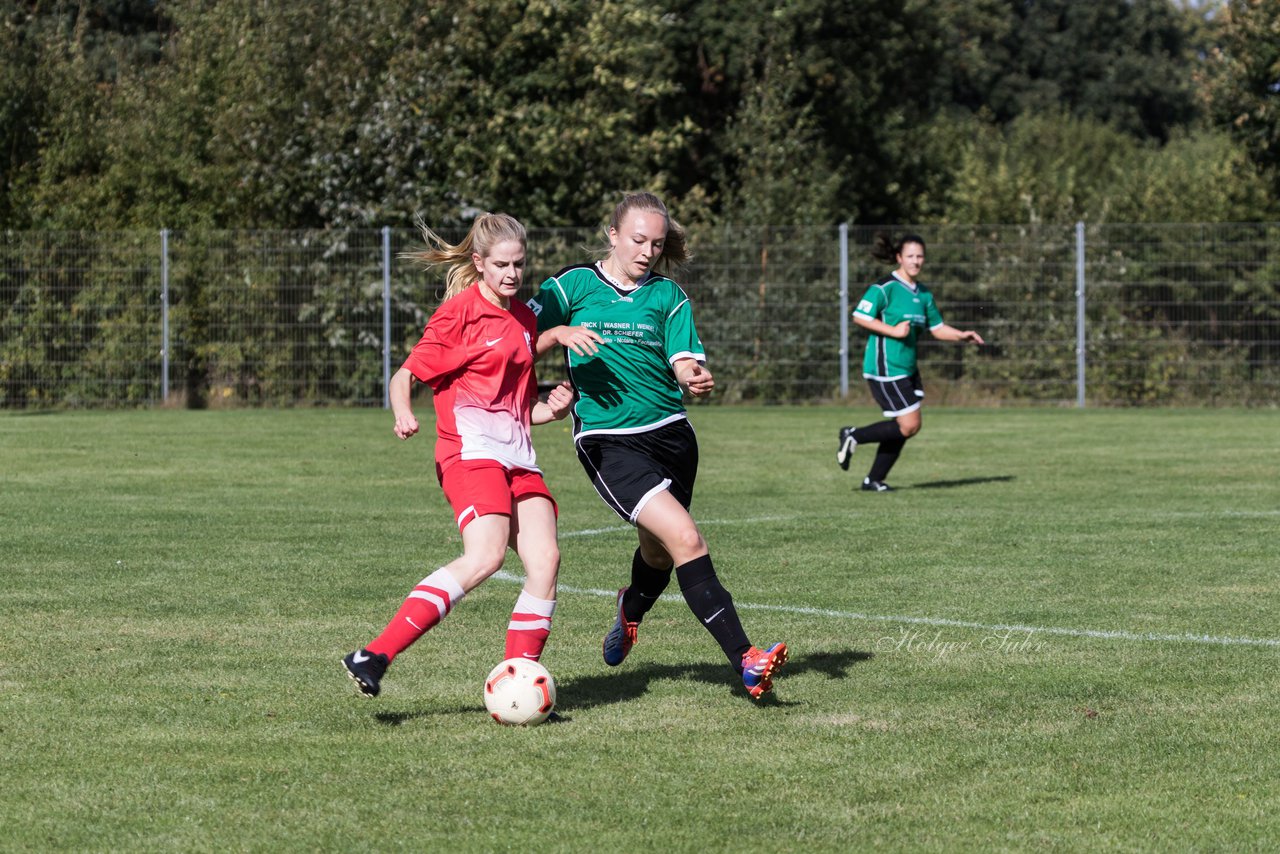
(666, 482)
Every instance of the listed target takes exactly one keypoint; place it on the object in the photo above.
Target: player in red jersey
(477, 355)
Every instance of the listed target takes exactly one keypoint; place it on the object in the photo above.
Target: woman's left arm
(694, 377)
(557, 405)
(950, 333)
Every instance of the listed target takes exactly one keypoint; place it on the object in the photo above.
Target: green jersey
(892, 301)
(629, 385)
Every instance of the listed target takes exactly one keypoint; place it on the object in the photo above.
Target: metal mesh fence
(1185, 313)
(1171, 314)
(280, 318)
(79, 319)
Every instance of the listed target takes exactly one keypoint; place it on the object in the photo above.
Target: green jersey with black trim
(892, 301)
(629, 385)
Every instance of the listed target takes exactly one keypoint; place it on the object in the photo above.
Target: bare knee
(542, 561)
(541, 574)
(688, 544)
(476, 565)
(909, 430)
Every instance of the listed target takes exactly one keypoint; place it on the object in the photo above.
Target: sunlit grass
(179, 587)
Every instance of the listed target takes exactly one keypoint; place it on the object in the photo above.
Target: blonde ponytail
(488, 230)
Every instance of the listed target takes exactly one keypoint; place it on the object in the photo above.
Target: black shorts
(630, 468)
(898, 397)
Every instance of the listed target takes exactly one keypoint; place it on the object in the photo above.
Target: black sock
(881, 431)
(886, 456)
(713, 606)
(646, 586)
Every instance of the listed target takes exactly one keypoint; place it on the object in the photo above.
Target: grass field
(1061, 633)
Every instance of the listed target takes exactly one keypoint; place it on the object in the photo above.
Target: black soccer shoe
(869, 485)
(847, 446)
(365, 669)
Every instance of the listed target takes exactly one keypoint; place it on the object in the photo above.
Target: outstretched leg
(484, 543)
(667, 522)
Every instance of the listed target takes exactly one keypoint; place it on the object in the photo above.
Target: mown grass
(179, 586)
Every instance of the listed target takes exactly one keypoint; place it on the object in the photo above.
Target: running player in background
(477, 355)
(629, 369)
(894, 310)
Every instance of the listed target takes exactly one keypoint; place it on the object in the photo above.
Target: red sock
(426, 605)
(529, 627)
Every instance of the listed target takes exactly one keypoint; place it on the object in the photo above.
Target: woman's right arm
(399, 391)
(579, 339)
(879, 327)
(554, 307)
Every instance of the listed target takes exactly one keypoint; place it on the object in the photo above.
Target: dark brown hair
(887, 248)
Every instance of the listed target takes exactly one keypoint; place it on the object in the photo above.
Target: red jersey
(478, 359)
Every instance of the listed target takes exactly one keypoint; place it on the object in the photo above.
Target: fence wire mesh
(1173, 314)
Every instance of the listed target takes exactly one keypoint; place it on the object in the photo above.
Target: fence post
(844, 309)
(386, 317)
(164, 315)
(1080, 325)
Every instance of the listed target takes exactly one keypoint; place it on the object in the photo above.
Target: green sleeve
(931, 312)
(872, 303)
(552, 304)
(681, 337)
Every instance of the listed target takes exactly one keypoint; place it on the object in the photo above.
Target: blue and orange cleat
(620, 639)
(759, 666)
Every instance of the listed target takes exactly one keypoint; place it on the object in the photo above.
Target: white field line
(1195, 514)
(1102, 634)
(613, 529)
(591, 532)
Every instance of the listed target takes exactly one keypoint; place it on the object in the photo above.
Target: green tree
(333, 114)
(1123, 63)
(61, 66)
(336, 114)
(1201, 176)
(1055, 168)
(21, 101)
(1243, 79)
(1036, 169)
(570, 104)
(842, 83)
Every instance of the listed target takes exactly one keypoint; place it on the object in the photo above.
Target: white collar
(904, 283)
(611, 280)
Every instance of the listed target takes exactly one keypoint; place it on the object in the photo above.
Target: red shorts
(476, 488)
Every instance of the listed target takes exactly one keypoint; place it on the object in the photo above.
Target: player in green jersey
(632, 352)
(894, 310)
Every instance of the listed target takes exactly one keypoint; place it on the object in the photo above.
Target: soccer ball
(519, 692)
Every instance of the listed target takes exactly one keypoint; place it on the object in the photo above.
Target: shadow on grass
(833, 665)
(627, 684)
(398, 718)
(968, 481)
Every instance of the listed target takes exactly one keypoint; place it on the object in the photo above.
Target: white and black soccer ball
(519, 692)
